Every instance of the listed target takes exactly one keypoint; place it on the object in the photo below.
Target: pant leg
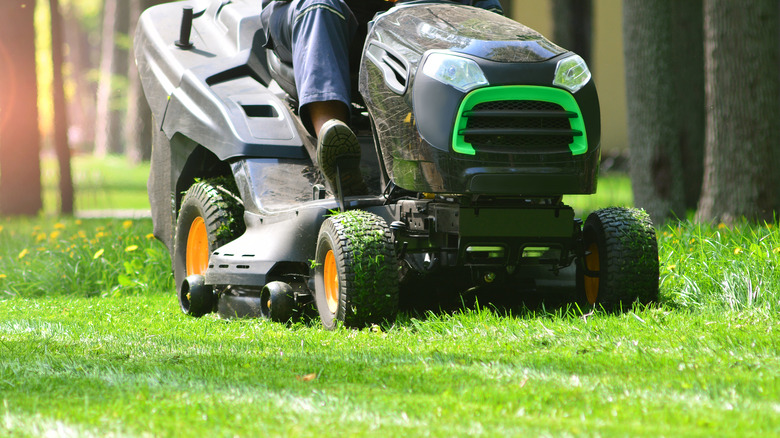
(322, 31)
(315, 36)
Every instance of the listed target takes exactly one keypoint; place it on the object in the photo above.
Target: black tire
(209, 211)
(621, 253)
(362, 271)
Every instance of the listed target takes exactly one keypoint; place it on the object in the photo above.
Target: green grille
(519, 119)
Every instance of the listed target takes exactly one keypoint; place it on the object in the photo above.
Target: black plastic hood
(474, 31)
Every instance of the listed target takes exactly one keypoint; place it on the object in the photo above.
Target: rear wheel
(209, 218)
(621, 259)
(356, 271)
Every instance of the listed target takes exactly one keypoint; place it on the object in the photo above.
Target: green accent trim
(519, 92)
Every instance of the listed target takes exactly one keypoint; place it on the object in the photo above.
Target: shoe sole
(340, 148)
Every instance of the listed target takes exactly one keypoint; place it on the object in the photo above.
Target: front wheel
(621, 259)
(356, 271)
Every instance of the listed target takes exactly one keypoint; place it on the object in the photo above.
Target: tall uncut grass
(81, 258)
(701, 266)
(720, 267)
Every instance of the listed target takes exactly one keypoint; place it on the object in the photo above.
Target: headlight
(572, 73)
(461, 73)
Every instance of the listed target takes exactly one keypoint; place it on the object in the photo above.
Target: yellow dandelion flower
(127, 224)
(692, 241)
(150, 236)
(100, 234)
(738, 251)
(131, 248)
(54, 235)
(78, 221)
(59, 226)
(1, 228)
(41, 237)
(776, 250)
(721, 226)
(82, 234)
(23, 253)
(671, 267)
(98, 254)
(2, 276)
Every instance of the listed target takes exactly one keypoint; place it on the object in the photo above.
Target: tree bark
(81, 107)
(742, 54)
(573, 26)
(655, 158)
(61, 144)
(688, 65)
(20, 173)
(103, 107)
(119, 68)
(138, 123)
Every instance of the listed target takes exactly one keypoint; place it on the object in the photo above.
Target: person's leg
(316, 35)
(321, 112)
(320, 38)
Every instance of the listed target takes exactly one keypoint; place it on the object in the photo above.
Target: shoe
(338, 152)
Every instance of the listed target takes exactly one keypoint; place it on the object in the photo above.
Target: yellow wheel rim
(331, 279)
(197, 248)
(592, 283)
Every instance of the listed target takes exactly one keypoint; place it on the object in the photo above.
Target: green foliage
(720, 267)
(81, 258)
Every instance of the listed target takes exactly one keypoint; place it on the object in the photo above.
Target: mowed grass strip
(135, 365)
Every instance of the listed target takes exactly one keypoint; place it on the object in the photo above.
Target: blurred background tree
(20, 175)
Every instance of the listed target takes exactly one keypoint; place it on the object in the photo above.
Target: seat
(282, 73)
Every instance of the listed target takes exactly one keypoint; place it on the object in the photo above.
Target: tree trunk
(138, 123)
(61, 145)
(81, 107)
(688, 63)
(573, 26)
(119, 68)
(103, 111)
(20, 172)
(742, 54)
(655, 158)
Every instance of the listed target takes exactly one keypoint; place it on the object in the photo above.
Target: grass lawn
(135, 366)
(92, 344)
(100, 184)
